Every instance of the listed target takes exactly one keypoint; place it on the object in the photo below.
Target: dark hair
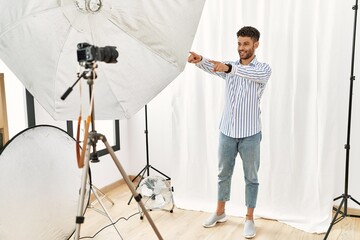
(248, 31)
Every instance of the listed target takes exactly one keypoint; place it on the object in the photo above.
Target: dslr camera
(90, 53)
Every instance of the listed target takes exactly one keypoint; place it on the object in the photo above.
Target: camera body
(90, 53)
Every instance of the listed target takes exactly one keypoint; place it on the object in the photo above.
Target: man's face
(246, 47)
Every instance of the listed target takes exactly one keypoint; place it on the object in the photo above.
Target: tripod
(345, 197)
(147, 167)
(92, 139)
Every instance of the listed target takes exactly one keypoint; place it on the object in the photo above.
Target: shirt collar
(252, 63)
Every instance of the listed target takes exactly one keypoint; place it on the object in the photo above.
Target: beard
(246, 54)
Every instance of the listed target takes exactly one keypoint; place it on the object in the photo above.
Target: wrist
(229, 66)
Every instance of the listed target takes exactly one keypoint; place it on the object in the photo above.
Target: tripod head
(89, 73)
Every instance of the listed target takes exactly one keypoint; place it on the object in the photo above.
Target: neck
(247, 61)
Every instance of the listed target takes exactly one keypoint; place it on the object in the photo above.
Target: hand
(219, 66)
(194, 58)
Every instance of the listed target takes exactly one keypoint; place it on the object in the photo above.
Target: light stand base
(104, 211)
(343, 214)
(99, 196)
(141, 175)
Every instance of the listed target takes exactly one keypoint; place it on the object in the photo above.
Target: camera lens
(108, 54)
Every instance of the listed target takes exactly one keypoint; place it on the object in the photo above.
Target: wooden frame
(4, 130)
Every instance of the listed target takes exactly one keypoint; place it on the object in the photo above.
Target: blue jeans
(249, 149)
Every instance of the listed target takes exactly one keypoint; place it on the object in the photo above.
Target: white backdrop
(305, 107)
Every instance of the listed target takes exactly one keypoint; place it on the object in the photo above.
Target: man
(240, 126)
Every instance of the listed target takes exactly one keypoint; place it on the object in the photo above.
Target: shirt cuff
(201, 61)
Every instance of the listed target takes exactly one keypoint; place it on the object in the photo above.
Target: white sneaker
(249, 229)
(213, 219)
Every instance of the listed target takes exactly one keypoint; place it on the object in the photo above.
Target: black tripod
(147, 167)
(345, 197)
(92, 138)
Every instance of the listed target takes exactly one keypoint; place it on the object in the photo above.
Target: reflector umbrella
(38, 42)
(39, 182)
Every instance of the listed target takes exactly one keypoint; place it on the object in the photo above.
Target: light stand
(104, 211)
(345, 197)
(147, 167)
(92, 139)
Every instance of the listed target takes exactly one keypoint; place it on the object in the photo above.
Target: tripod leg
(167, 177)
(137, 185)
(335, 220)
(106, 212)
(357, 202)
(142, 173)
(130, 185)
(80, 211)
(103, 195)
(354, 200)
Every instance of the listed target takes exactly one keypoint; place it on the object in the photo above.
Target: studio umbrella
(38, 42)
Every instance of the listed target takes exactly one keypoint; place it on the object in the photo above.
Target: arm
(205, 64)
(258, 73)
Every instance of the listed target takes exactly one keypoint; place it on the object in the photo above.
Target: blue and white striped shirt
(244, 87)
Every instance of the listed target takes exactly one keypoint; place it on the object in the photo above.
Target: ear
(256, 44)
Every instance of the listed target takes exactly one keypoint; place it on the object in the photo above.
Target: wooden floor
(186, 225)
